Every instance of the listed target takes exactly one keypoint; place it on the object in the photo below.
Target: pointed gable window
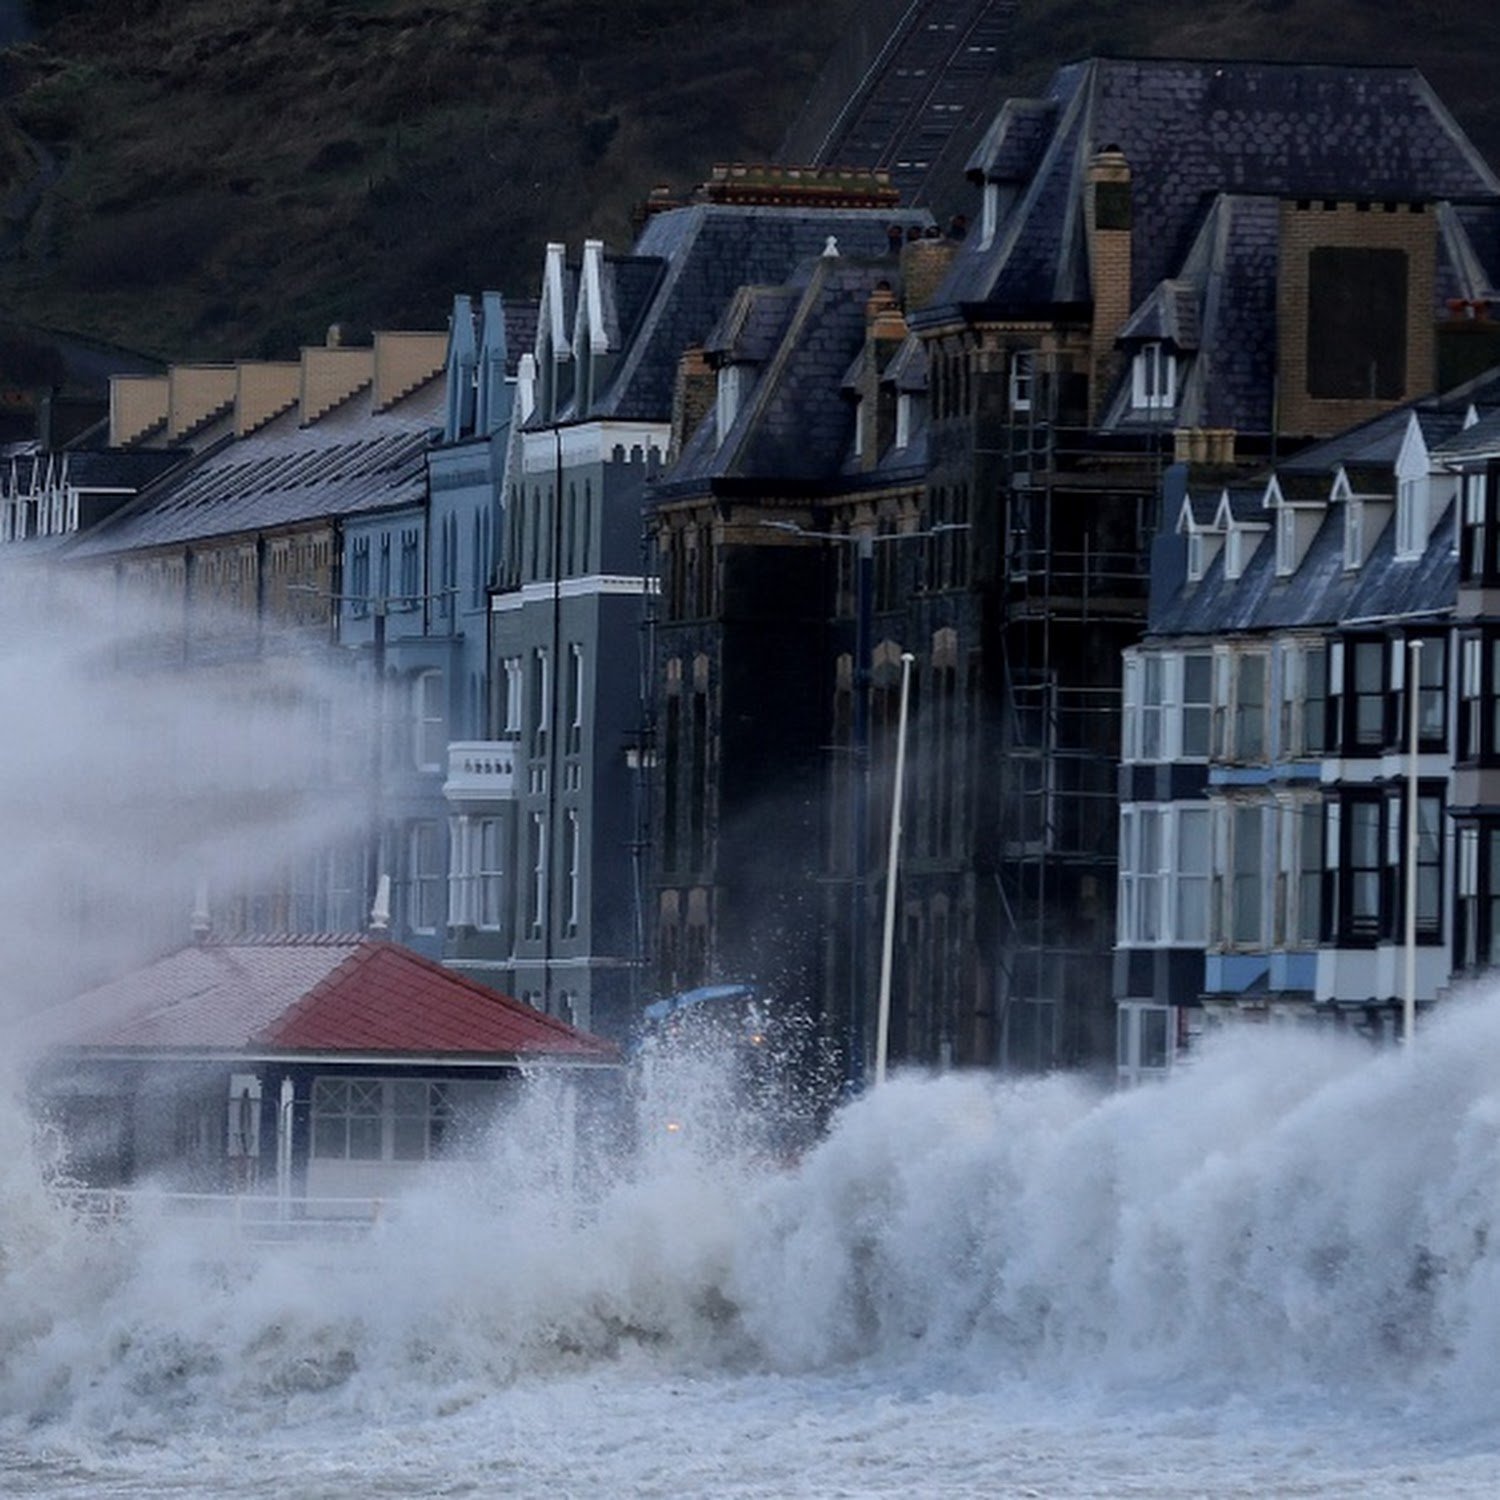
(1286, 541)
(1411, 517)
(729, 390)
(1153, 378)
(1354, 532)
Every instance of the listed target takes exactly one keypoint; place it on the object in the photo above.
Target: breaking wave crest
(1290, 1211)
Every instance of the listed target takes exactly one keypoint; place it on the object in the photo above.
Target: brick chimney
(1107, 215)
(692, 396)
(924, 265)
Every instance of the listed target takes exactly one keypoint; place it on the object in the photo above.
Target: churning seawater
(1277, 1273)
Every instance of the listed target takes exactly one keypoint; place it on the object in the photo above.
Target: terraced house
(1316, 643)
(230, 566)
(1212, 264)
(597, 400)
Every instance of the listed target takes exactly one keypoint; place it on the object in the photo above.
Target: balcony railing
(481, 770)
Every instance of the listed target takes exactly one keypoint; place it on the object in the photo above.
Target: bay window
(1478, 697)
(1476, 938)
(1164, 875)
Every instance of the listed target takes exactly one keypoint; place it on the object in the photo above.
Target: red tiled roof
(384, 998)
(335, 995)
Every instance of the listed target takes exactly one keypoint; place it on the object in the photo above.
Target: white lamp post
(1413, 694)
(893, 856)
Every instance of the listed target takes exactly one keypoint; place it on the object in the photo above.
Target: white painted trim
(590, 443)
(591, 304)
(552, 309)
(526, 384)
(595, 586)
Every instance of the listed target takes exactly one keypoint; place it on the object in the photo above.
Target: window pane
(1315, 693)
(1192, 841)
(1153, 1037)
(364, 1138)
(328, 1137)
(409, 1138)
(1192, 909)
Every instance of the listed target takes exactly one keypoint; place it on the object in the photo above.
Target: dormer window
(1234, 553)
(1411, 517)
(1022, 374)
(1286, 541)
(728, 392)
(903, 419)
(1153, 379)
(989, 219)
(1197, 556)
(1354, 533)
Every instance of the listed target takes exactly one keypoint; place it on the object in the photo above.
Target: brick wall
(1308, 226)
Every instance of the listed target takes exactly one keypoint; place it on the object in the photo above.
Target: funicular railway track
(926, 91)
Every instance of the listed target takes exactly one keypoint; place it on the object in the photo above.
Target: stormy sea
(1275, 1273)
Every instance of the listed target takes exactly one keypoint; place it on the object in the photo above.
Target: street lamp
(864, 581)
(1413, 696)
(888, 937)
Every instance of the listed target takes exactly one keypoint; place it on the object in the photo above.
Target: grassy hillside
(230, 175)
(201, 177)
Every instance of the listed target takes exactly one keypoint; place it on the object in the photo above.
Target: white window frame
(1237, 749)
(1171, 712)
(1234, 553)
(1022, 379)
(429, 733)
(1299, 854)
(1411, 517)
(538, 873)
(514, 671)
(1158, 880)
(1197, 555)
(576, 690)
(389, 1119)
(1131, 1019)
(1354, 532)
(1233, 817)
(426, 876)
(729, 391)
(1153, 378)
(488, 836)
(575, 861)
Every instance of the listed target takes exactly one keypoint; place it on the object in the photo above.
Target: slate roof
(1169, 315)
(1203, 506)
(325, 996)
(752, 324)
(1321, 591)
(1014, 142)
(1247, 504)
(1371, 479)
(1303, 486)
(520, 331)
(1482, 440)
(350, 461)
(706, 252)
(1193, 129)
(795, 422)
(88, 469)
(907, 370)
